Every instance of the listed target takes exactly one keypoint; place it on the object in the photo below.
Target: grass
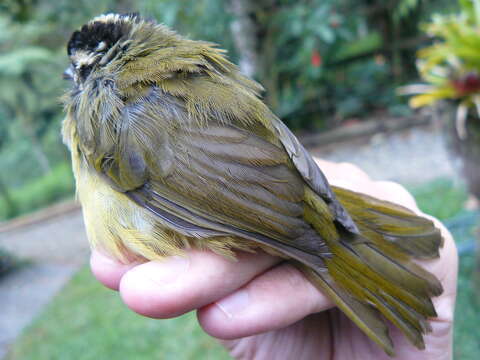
(86, 321)
(56, 185)
(89, 322)
(440, 198)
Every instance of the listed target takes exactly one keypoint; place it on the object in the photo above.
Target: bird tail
(373, 273)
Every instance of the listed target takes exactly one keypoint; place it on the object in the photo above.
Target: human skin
(261, 307)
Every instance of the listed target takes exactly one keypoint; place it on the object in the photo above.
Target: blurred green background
(323, 63)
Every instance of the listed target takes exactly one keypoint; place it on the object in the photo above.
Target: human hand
(263, 308)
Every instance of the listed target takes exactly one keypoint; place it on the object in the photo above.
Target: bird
(173, 148)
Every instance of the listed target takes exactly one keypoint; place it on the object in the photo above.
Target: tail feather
(404, 273)
(374, 272)
(365, 316)
(409, 325)
(409, 328)
(414, 318)
(346, 259)
(382, 221)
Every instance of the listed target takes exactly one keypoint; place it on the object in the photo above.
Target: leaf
(432, 96)
(368, 43)
(403, 8)
(326, 34)
(19, 61)
(476, 6)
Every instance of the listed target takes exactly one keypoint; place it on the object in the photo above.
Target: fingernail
(235, 303)
(167, 270)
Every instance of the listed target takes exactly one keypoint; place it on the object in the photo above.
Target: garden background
(328, 67)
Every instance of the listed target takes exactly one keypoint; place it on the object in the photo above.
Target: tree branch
(244, 31)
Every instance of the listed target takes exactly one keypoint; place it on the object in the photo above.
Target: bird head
(97, 43)
(133, 50)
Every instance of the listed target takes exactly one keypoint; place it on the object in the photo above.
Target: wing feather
(312, 174)
(217, 170)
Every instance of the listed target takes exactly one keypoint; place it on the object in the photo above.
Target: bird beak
(68, 73)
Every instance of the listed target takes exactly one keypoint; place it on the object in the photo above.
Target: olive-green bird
(172, 148)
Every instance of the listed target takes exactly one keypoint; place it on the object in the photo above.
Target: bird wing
(312, 174)
(216, 176)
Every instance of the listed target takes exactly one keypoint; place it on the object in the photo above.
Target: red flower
(316, 58)
(467, 84)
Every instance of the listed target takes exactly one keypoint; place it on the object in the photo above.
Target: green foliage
(29, 94)
(201, 19)
(449, 204)
(451, 65)
(368, 43)
(311, 52)
(17, 62)
(88, 321)
(405, 6)
(369, 79)
(58, 184)
(321, 61)
(466, 337)
(302, 47)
